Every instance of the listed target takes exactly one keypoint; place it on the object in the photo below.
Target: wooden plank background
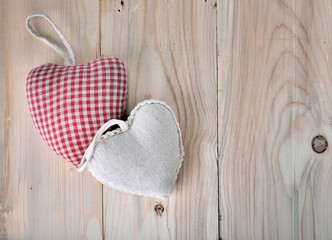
(274, 74)
(249, 82)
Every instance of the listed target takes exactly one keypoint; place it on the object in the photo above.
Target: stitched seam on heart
(129, 122)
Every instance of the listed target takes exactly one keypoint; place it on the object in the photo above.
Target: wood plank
(169, 48)
(41, 196)
(274, 83)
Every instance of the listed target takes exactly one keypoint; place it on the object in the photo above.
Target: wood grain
(41, 196)
(249, 82)
(169, 48)
(275, 97)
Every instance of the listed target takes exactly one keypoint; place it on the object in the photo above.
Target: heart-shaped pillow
(69, 104)
(141, 157)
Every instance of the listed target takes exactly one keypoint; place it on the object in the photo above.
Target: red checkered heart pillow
(69, 104)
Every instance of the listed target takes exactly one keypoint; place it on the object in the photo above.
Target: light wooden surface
(250, 84)
(274, 68)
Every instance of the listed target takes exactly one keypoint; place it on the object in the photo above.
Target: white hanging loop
(69, 60)
(90, 150)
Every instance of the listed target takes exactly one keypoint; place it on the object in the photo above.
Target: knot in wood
(159, 208)
(319, 144)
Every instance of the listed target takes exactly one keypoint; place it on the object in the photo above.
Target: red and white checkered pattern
(69, 104)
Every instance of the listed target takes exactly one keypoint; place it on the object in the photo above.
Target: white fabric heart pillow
(141, 157)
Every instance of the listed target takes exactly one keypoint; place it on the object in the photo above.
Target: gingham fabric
(69, 104)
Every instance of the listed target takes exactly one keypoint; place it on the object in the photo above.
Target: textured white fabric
(145, 158)
(89, 152)
(68, 60)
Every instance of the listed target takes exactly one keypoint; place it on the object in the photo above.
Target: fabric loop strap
(69, 60)
(89, 152)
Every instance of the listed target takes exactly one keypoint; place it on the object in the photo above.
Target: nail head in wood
(159, 208)
(319, 144)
